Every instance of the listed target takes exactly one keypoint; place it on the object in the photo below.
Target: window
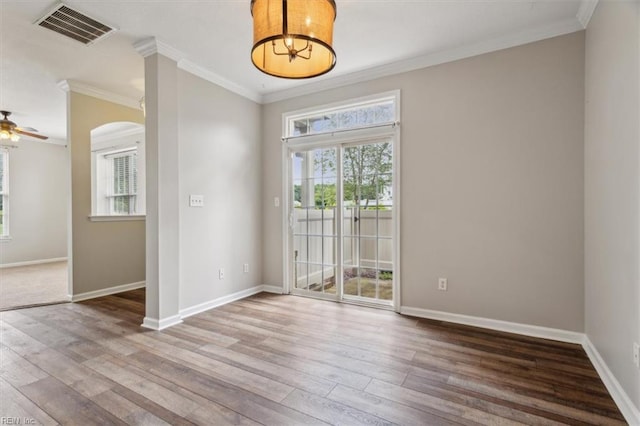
(4, 193)
(357, 115)
(123, 182)
(118, 172)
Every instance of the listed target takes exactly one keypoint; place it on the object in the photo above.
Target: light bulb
(289, 42)
(4, 134)
(15, 137)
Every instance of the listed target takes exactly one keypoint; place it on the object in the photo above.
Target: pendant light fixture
(293, 38)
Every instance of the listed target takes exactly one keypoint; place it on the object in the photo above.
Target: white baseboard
(193, 310)
(33, 262)
(272, 289)
(626, 406)
(106, 291)
(155, 324)
(506, 326)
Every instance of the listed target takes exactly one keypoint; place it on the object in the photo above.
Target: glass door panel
(314, 227)
(367, 222)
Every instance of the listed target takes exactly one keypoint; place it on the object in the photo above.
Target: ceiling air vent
(73, 24)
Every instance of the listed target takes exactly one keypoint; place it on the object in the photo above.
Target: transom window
(357, 115)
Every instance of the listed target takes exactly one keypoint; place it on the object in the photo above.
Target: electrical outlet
(442, 284)
(196, 200)
(245, 268)
(221, 274)
(636, 355)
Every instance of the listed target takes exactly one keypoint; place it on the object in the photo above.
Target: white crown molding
(511, 40)
(585, 12)
(630, 412)
(52, 141)
(24, 138)
(85, 89)
(118, 134)
(197, 70)
(64, 85)
(151, 45)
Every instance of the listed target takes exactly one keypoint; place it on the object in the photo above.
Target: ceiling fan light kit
(9, 129)
(293, 38)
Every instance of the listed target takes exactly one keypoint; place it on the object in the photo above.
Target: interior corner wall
(491, 182)
(612, 188)
(220, 153)
(38, 206)
(104, 254)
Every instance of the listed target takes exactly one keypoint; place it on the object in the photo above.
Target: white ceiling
(371, 38)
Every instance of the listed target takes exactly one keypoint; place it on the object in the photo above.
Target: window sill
(5, 239)
(122, 218)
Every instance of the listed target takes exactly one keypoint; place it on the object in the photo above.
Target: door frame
(340, 140)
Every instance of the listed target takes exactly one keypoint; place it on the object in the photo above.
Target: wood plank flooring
(285, 360)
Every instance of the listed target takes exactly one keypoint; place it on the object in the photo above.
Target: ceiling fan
(9, 129)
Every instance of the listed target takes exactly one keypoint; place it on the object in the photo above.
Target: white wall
(220, 158)
(38, 202)
(612, 187)
(492, 182)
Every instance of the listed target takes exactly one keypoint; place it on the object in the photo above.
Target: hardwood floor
(285, 360)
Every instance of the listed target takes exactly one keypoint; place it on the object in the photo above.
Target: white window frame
(5, 195)
(110, 158)
(105, 144)
(342, 137)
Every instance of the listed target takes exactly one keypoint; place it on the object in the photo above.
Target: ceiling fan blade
(33, 135)
(27, 129)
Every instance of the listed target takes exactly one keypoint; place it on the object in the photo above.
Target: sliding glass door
(342, 221)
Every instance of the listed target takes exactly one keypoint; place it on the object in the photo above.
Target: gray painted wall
(38, 202)
(492, 182)
(612, 187)
(220, 158)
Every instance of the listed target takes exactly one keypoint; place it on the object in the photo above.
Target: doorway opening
(342, 192)
(34, 189)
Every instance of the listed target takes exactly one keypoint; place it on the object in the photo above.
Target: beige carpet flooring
(22, 286)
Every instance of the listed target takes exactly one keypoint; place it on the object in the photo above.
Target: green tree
(325, 195)
(367, 172)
